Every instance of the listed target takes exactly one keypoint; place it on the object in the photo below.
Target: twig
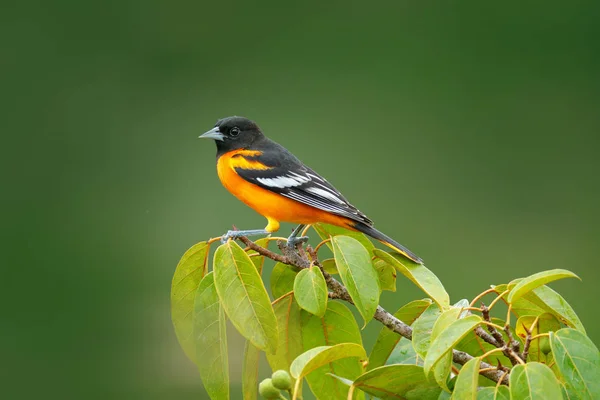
(265, 252)
(493, 328)
(338, 291)
(529, 338)
(512, 342)
(485, 311)
(526, 345)
(487, 337)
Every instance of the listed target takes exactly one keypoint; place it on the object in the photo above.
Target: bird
(267, 177)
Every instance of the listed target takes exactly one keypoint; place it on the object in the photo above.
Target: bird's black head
(233, 133)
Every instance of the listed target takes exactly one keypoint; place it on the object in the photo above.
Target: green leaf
(494, 393)
(328, 231)
(448, 339)
(387, 339)
(188, 274)
(329, 266)
(317, 357)
(444, 396)
(310, 289)
(256, 258)
(534, 381)
(564, 391)
(398, 382)
(345, 381)
(211, 340)
(556, 305)
(358, 275)
(419, 275)
(444, 320)
(337, 326)
(467, 381)
(578, 361)
(289, 326)
(244, 296)
(441, 370)
(404, 353)
(422, 327)
(522, 306)
(526, 285)
(282, 279)
(250, 372)
(386, 273)
(544, 299)
(546, 323)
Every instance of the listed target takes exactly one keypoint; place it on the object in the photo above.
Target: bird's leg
(294, 239)
(237, 234)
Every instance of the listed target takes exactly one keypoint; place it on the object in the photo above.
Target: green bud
(267, 390)
(282, 380)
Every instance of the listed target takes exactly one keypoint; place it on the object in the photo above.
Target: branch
(294, 258)
(500, 342)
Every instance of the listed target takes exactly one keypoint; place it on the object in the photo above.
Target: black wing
(289, 177)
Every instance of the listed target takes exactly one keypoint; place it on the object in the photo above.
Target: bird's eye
(234, 131)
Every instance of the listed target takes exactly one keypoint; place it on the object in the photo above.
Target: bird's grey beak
(214, 133)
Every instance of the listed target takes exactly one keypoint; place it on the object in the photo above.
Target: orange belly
(271, 205)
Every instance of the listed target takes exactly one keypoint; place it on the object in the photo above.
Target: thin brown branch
(497, 335)
(501, 343)
(299, 259)
(265, 252)
(529, 338)
(512, 342)
(486, 337)
(526, 345)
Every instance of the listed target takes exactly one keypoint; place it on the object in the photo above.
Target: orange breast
(263, 201)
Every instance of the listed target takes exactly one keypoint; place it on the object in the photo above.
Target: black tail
(388, 241)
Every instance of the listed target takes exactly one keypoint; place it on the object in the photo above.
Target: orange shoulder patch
(238, 159)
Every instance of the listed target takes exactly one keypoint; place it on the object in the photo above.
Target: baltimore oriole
(276, 184)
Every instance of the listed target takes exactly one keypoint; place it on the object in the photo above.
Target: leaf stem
(490, 353)
(212, 240)
(493, 303)
(540, 336)
(321, 244)
(480, 295)
(502, 378)
(492, 325)
(305, 230)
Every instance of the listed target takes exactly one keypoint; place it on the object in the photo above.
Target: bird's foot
(294, 240)
(237, 234)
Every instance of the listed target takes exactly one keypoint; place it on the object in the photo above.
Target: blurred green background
(468, 131)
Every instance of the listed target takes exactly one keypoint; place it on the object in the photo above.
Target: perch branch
(299, 259)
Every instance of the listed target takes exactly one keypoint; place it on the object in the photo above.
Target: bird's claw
(229, 235)
(293, 241)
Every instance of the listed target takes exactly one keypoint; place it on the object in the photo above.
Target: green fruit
(545, 345)
(282, 380)
(267, 390)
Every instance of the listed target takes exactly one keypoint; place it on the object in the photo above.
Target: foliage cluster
(429, 349)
